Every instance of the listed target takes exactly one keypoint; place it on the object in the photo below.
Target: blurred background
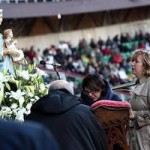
(84, 36)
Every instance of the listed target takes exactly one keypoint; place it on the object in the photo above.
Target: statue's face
(1, 17)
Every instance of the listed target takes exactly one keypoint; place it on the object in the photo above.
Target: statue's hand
(15, 42)
(11, 53)
(5, 51)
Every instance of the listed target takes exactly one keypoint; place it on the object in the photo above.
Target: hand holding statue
(10, 52)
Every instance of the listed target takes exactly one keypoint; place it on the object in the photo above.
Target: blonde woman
(140, 102)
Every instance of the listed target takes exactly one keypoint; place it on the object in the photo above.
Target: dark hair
(93, 82)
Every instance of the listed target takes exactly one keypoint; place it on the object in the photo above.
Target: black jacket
(25, 136)
(109, 95)
(73, 124)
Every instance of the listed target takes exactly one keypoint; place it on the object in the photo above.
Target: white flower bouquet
(17, 94)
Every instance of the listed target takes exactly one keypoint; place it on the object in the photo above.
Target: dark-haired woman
(96, 88)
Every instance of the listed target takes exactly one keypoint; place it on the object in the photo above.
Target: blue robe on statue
(7, 62)
(1, 47)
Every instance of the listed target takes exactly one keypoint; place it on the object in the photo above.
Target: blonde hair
(145, 59)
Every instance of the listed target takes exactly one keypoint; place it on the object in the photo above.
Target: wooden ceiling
(51, 24)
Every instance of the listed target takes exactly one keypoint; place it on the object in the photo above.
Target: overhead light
(59, 16)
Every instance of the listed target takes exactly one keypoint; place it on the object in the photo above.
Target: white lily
(5, 111)
(35, 75)
(1, 92)
(20, 114)
(32, 100)
(29, 105)
(3, 78)
(36, 97)
(30, 94)
(14, 104)
(42, 87)
(17, 95)
(24, 74)
(21, 101)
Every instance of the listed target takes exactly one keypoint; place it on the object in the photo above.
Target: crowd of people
(110, 58)
(64, 121)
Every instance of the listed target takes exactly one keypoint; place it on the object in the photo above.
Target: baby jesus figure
(10, 44)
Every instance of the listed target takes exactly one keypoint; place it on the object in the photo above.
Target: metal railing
(123, 86)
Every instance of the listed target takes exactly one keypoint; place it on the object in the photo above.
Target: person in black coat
(95, 88)
(73, 124)
(25, 136)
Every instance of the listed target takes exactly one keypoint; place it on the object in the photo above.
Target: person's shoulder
(83, 110)
(83, 106)
(80, 108)
(21, 128)
(16, 133)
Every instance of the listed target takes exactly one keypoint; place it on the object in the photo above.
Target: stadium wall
(44, 41)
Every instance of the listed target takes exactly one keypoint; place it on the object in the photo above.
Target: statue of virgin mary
(1, 41)
(5, 54)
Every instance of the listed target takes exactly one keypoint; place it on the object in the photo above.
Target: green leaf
(30, 68)
(7, 86)
(19, 84)
(20, 67)
(5, 72)
(1, 93)
(34, 65)
(45, 92)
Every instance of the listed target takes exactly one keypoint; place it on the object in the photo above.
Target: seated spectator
(25, 136)
(73, 124)
(95, 88)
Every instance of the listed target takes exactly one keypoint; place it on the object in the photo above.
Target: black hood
(108, 91)
(58, 101)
